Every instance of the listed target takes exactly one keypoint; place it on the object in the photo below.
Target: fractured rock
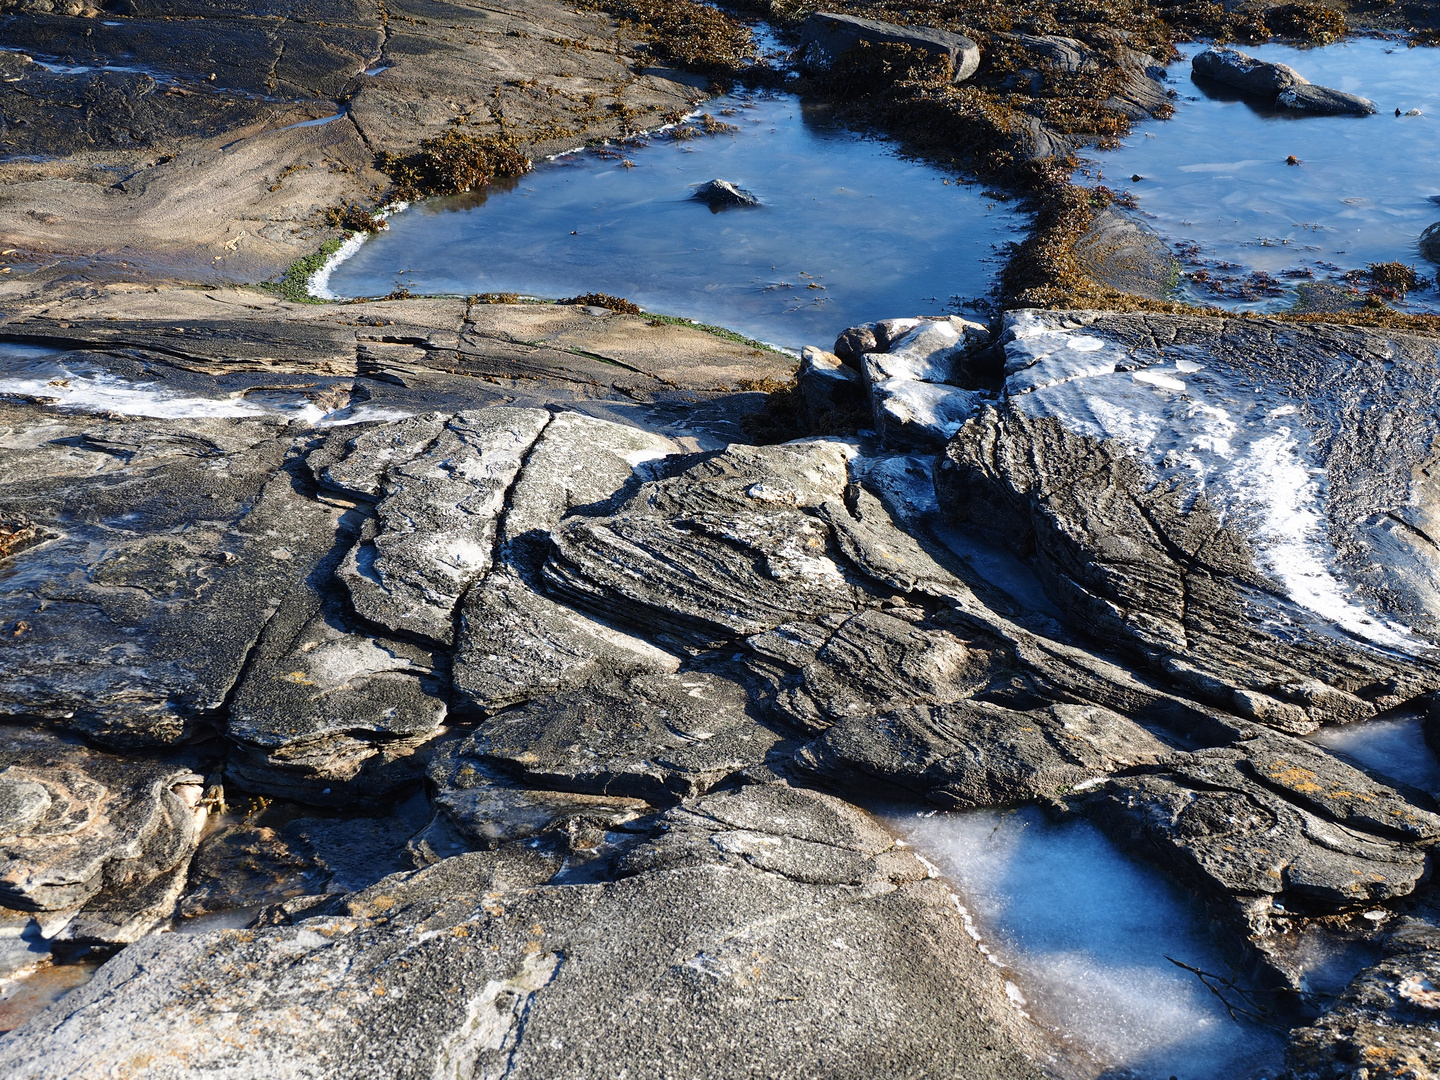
(435, 521)
(728, 548)
(1387, 1021)
(657, 737)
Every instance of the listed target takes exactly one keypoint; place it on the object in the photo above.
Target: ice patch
(1084, 933)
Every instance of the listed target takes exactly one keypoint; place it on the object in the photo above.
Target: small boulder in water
(1246, 74)
(1429, 243)
(721, 193)
(1324, 101)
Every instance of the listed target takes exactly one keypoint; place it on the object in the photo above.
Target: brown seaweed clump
(453, 163)
(695, 36)
(605, 300)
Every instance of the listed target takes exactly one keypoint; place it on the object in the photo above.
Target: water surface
(849, 231)
(1216, 174)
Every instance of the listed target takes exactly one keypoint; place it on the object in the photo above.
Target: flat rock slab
(831, 35)
(474, 967)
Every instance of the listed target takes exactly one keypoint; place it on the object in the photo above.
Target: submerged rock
(719, 194)
(826, 35)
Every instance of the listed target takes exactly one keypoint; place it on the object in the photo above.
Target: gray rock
(1387, 1020)
(751, 927)
(84, 829)
(434, 529)
(1429, 242)
(1122, 251)
(175, 542)
(1324, 101)
(826, 35)
(973, 754)
(728, 548)
(830, 390)
(720, 194)
(854, 343)
(910, 399)
(1272, 825)
(1257, 78)
(657, 737)
(1137, 553)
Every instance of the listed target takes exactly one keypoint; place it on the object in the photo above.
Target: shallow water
(849, 230)
(1394, 746)
(1216, 174)
(1084, 932)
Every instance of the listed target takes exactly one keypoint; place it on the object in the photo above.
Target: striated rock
(82, 829)
(435, 520)
(721, 194)
(814, 674)
(657, 737)
(972, 754)
(1272, 824)
(1190, 508)
(1387, 1020)
(728, 548)
(473, 966)
(1122, 251)
(826, 35)
(829, 389)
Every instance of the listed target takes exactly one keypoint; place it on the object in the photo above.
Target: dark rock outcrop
(720, 194)
(1279, 84)
(826, 35)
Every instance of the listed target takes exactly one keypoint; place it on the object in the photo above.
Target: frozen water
(849, 230)
(1216, 172)
(1084, 933)
(1394, 746)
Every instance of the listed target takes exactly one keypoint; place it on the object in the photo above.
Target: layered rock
(95, 844)
(1220, 515)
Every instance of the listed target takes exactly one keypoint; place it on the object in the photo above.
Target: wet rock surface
(1277, 84)
(826, 35)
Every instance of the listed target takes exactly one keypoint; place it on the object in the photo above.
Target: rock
(1145, 543)
(909, 402)
(826, 35)
(831, 391)
(719, 194)
(854, 343)
(1257, 78)
(1429, 242)
(1138, 78)
(1270, 825)
(435, 520)
(1123, 252)
(816, 674)
(175, 542)
(971, 754)
(657, 737)
(94, 835)
(1386, 1020)
(1324, 101)
(728, 548)
(475, 966)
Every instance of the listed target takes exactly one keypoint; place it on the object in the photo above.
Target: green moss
(294, 284)
(717, 331)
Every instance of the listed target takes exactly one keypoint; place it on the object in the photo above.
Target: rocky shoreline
(454, 687)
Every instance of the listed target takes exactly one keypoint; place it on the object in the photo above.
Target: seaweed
(454, 163)
(294, 284)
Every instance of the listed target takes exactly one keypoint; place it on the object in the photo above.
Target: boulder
(720, 194)
(826, 35)
(1429, 242)
(911, 399)
(1324, 101)
(830, 389)
(1257, 78)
